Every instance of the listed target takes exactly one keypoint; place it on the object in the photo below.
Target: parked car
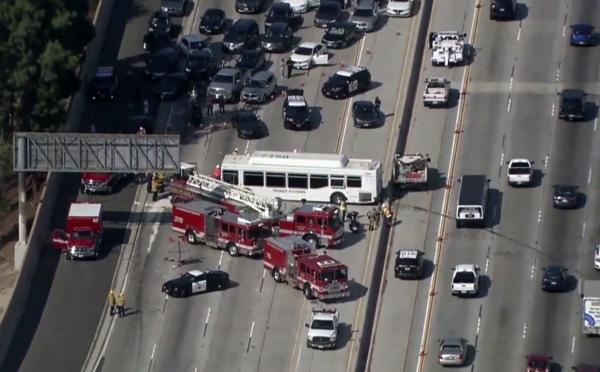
(162, 62)
(249, 126)
(582, 34)
(251, 61)
(365, 15)
(399, 8)
(242, 35)
(347, 82)
(156, 40)
(227, 84)
(170, 86)
(191, 42)
(201, 65)
(278, 38)
(159, 21)
(365, 114)
(104, 85)
(196, 281)
(249, 6)
(309, 54)
(281, 12)
(213, 21)
(173, 7)
(259, 88)
(340, 35)
(328, 12)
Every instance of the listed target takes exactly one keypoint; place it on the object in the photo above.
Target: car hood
(178, 282)
(85, 243)
(233, 38)
(367, 19)
(300, 57)
(332, 37)
(275, 39)
(95, 177)
(321, 333)
(172, 4)
(217, 85)
(326, 16)
(252, 90)
(396, 5)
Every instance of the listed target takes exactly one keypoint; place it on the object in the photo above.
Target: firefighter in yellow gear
(121, 304)
(387, 213)
(159, 180)
(112, 301)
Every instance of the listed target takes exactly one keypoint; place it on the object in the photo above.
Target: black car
(347, 82)
(248, 125)
(503, 9)
(213, 21)
(278, 38)
(572, 104)
(328, 12)
(175, 8)
(242, 35)
(162, 62)
(170, 86)
(160, 21)
(296, 113)
(409, 264)
(249, 6)
(565, 196)
(554, 279)
(251, 61)
(340, 35)
(155, 40)
(281, 12)
(582, 34)
(104, 84)
(196, 281)
(201, 65)
(365, 114)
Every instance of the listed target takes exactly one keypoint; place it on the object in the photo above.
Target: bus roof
(299, 160)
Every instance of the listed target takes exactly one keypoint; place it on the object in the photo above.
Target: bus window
(318, 181)
(231, 176)
(297, 181)
(337, 181)
(275, 179)
(354, 182)
(254, 179)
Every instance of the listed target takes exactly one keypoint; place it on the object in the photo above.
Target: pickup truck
(437, 92)
(520, 172)
(322, 329)
(465, 280)
(410, 170)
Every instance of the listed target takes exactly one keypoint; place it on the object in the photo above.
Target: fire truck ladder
(267, 207)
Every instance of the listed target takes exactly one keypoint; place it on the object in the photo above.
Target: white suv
(465, 279)
(399, 8)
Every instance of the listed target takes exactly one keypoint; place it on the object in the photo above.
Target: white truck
(448, 48)
(437, 92)
(411, 170)
(322, 329)
(465, 280)
(520, 172)
(591, 307)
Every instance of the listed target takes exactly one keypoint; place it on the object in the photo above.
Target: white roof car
(520, 172)
(322, 329)
(302, 6)
(297, 101)
(399, 8)
(465, 279)
(309, 53)
(597, 257)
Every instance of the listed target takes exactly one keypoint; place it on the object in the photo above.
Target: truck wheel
(276, 276)
(312, 240)
(191, 237)
(308, 293)
(232, 249)
(337, 198)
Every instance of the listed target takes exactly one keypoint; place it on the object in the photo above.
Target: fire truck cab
(203, 222)
(293, 260)
(319, 224)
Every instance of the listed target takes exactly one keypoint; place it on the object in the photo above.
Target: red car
(538, 363)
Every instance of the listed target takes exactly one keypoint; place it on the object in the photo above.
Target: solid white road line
(519, 34)
(583, 229)
(153, 352)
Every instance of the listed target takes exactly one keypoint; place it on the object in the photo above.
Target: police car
(196, 281)
(347, 82)
(104, 84)
(296, 114)
(409, 264)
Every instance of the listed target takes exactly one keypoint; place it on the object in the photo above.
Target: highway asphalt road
(509, 111)
(189, 334)
(67, 297)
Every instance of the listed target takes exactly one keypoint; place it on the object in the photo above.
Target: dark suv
(503, 9)
(104, 84)
(347, 82)
(572, 104)
(278, 38)
(565, 196)
(249, 6)
(281, 12)
(554, 279)
(296, 113)
(242, 35)
(409, 264)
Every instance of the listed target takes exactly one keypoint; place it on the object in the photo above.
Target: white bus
(309, 176)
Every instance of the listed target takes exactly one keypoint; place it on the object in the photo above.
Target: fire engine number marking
(178, 219)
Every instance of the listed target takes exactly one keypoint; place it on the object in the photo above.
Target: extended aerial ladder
(267, 207)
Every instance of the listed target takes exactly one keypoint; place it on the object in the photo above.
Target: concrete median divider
(39, 235)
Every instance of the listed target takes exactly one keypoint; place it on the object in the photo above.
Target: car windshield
(277, 12)
(223, 79)
(436, 84)
(304, 51)
(331, 275)
(235, 34)
(199, 59)
(336, 31)
(83, 234)
(271, 32)
(104, 80)
(188, 276)
(338, 79)
(365, 109)
(519, 168)
(255, 83)
(464, 277)
(451, 349)
(537, 364)
(297, 110)
(572, 103)
(212, 14)
(328, 10)
(322, 324)
(363, 12)
(565, 192)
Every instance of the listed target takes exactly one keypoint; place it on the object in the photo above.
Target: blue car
(582, 35)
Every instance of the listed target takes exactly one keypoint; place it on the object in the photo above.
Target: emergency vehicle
(203, 222)
(293, 260)
(319, 224)
(448, 48)
(82, 236)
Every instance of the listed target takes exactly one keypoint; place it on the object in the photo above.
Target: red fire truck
(293, 260)
(319, 224)
(83, 234)
(211, 224)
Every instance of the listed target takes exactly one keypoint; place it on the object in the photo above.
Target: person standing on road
(371, 218)
(343, 209)
(112, 301)
(290, 66)
(432, 36)
(282, 65)
(210, 102)
(377, 215)
(377, 103)
(221, 105)
(121, 304)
